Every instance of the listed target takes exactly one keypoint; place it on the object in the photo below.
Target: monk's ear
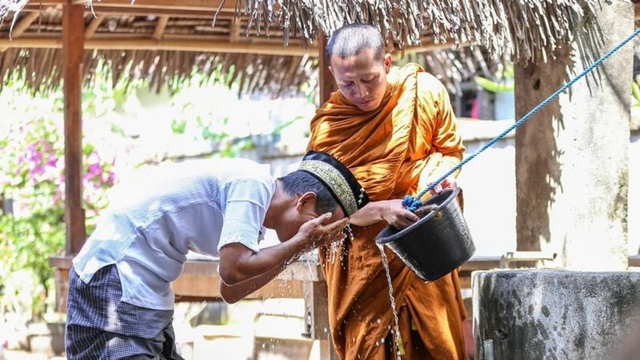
(331, 69)
(387, 62)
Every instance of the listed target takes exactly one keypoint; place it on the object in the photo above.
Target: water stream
(396, 329)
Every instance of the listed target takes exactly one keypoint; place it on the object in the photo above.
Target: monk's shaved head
(351, 39)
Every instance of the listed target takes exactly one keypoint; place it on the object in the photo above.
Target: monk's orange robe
(409, 140)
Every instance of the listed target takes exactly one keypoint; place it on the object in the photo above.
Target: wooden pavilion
(266, 46)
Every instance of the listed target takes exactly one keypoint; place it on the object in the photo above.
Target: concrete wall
(559, 315)
(572, 157)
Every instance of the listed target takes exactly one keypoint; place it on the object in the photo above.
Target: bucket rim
(385, 240)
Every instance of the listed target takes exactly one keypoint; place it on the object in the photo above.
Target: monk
(395, 130)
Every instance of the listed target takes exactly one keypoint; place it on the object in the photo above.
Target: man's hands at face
(320, 231)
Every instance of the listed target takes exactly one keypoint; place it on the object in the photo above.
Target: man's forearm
(239, 263)
(234, 293)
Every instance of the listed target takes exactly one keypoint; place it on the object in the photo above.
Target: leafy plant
(32, 173)
(635, 91)
(502, 81)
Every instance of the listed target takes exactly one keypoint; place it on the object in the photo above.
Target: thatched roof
(271, 45)
(524, 30)
(41, 66)
(41, 69)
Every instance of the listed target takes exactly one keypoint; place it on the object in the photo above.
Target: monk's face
(362, 78)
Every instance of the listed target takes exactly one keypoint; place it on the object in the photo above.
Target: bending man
(120, 302)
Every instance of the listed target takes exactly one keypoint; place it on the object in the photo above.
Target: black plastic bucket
(436, 244)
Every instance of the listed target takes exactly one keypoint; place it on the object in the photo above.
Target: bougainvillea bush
(32, 227)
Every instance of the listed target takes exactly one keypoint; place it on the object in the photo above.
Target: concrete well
(556, 314)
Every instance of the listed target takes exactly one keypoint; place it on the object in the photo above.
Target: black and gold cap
(340, 181)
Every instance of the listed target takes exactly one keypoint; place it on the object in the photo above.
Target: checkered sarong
(101, 327)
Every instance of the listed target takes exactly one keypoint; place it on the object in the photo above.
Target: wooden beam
(137, 11)
(171, 45)
(634, 260)
(22, 26)
(73, 50)
(429, 45)
(298, 270)
(201, 5)
(327, 84)
(200, 281)
(93, 26)
(160, 26)
(153, 4)
(234, 32)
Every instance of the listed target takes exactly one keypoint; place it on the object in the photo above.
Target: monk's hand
(449, 183)
(394, 213)
(319, 232)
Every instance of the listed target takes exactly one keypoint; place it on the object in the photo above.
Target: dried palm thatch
(11, 6)
(518, 30)
(453, 67)
(41, 69)
(524, 30)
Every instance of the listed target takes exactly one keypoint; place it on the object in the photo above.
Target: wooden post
(73, 49)
(327, 84)
(316, 301)
(317, 318)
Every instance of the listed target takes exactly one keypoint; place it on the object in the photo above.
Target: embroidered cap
(340, 181)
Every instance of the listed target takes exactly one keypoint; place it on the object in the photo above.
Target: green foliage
(494, 86)
(178, 126)
(31, 170)
(635, 91)
(501, 82)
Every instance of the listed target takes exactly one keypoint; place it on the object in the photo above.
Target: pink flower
(112, 178)
(37, 170)
(95, 170)
(53, 161)
(46, 144)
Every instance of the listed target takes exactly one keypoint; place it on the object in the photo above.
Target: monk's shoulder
(429, 83)
(430, 91)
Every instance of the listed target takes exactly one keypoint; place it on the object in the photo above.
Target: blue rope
(413, 203)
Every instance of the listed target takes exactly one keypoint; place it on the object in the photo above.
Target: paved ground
(23, 355)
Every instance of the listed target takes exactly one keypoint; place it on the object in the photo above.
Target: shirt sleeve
(244, 212)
